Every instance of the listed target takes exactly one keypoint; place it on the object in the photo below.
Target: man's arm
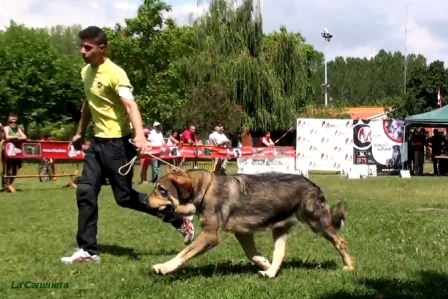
(123, 88)
(224, 140)
(86, 117)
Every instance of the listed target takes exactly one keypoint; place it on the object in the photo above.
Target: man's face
(221, 129)
(90, 51)
(158, 128)
(192, 129)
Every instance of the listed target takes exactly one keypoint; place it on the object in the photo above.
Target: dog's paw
(160, 269)
(267, 274)
(167, 267)
(348, 268)
(262, 262)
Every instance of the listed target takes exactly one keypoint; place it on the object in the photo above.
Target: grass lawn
(399, 249)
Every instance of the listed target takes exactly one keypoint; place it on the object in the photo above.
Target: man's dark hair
(95, 33)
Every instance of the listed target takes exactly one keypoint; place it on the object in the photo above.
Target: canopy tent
(434, 118)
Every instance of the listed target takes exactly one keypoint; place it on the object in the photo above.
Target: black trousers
(102, 160)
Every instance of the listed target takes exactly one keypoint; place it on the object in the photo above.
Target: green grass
(399, 250)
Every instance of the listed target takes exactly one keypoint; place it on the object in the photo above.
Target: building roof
(365, 112)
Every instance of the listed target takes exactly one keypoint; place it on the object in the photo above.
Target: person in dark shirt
(411, 152)
(437, 142)
(418, 145)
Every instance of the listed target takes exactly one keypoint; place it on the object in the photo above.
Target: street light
(327, 37)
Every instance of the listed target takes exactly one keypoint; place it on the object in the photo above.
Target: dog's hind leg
(247, 242)
(205, 241)
(280, 235)
(341, 247)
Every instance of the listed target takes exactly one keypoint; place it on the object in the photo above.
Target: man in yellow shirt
(111, 106)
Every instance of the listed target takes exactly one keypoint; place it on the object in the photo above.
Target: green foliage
(37, 83)
(221, 69)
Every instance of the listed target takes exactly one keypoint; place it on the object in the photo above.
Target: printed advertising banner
(324, 144)
(379, 143)
(268, 165)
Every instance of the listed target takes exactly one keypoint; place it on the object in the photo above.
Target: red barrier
(64, 151)
(38, 150)
(213, 152)
(32, 150)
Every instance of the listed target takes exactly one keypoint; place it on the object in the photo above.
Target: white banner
(267, 165)
(324, 144)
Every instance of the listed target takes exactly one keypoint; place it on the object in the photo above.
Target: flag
(439, 97)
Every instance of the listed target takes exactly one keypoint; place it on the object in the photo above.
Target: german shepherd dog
(243, 205)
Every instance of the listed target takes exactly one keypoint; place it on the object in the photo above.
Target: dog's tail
(338, 214)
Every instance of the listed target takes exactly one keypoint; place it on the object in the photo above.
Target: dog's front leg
(280, 236)
(205, 242)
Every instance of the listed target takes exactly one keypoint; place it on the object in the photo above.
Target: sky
(360, 28)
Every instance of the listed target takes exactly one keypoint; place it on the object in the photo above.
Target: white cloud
(125, 6)
(360, 28)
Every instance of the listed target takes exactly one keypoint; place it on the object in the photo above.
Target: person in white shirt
(155, 139)
(217, 138)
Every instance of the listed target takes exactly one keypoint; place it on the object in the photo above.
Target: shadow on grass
(427, 284)
(228, 268)
(117, 250)
(131, 253)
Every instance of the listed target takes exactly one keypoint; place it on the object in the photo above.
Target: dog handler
(110, 103)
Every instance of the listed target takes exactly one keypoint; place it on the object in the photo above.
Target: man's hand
(141, 143)
(77, 142)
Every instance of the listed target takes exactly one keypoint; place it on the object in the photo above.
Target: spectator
(418, 145)
(189, 137)
(12, 133)
(172, 139)
(155, 139)
(411, 152)
(144, 162)
(218, 138)
(266, 140)
(437, 142)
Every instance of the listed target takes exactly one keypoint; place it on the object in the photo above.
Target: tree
(148, 48)
(37, 84)
(267, 74)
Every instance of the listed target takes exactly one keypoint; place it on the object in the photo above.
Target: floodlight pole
(327, 37)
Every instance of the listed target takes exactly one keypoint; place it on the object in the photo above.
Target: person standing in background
(12, 133)
(267, 141)
(155, 139)
(144, 162)
(188, 137)
(411, 158)
(436, 142)
(418, 145)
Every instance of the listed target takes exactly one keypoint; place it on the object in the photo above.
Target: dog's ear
(183, 185)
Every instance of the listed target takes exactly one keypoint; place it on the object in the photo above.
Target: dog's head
(173, 192)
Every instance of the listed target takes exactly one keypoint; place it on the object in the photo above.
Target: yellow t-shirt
(101, 88)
